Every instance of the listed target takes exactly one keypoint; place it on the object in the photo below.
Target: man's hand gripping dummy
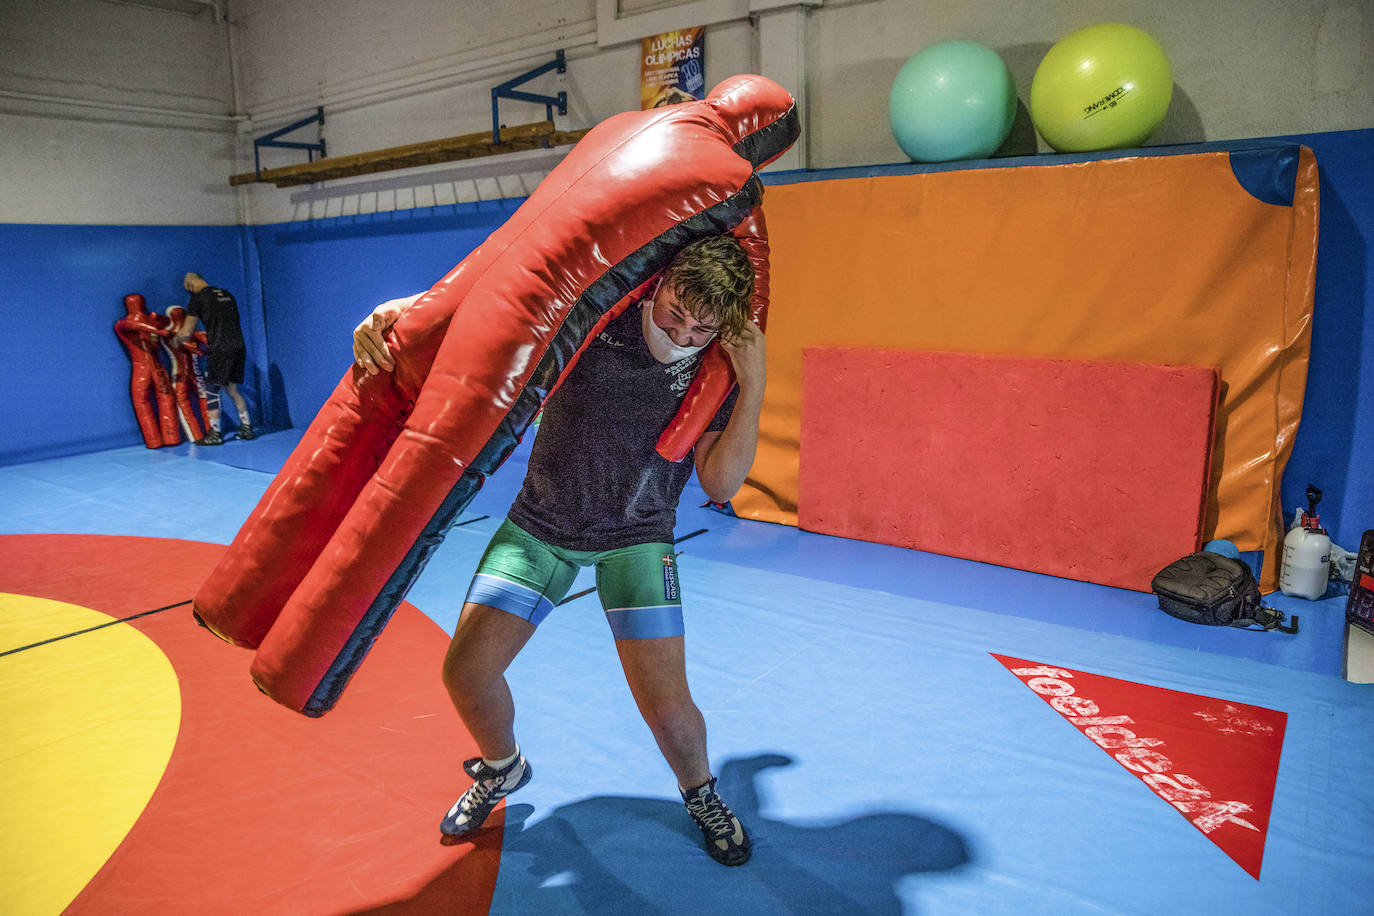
(393, 458)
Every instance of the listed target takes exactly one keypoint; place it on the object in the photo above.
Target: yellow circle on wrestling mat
(88, 726)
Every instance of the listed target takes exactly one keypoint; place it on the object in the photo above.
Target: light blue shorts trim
(638, 585)
(512, 597)
(646, 622)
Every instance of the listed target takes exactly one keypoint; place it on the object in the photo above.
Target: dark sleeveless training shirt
(218, 311)
(595, 481)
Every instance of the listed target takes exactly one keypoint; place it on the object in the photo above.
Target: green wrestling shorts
(638, 585)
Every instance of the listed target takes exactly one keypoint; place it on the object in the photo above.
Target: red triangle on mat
(1216, 761)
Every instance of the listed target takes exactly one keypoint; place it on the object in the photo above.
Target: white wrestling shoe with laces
(489, 786)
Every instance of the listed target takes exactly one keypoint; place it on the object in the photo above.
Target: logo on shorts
(669, 578)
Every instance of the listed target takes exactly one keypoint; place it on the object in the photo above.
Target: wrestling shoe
(489, 786)
(211, 438)
(725, 838)
(245, 432)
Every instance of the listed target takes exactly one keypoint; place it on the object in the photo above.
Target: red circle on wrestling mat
(262, 810)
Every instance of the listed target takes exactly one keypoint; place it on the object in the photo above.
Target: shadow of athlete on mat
(611, 855)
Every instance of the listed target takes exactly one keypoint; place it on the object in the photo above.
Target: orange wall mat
(1164, 260)
(1088, 470)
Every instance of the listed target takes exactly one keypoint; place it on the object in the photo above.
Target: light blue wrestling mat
(883, 756)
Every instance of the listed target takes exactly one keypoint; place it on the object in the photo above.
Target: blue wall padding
(1253, 161)
(319, 278)
(1267, 176)
(322, 277)
(61, 291)
(1335, 443)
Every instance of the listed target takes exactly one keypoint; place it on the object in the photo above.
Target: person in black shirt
(219, 313)
(598, 494)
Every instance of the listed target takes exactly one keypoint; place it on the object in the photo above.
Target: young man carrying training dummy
(597, 493)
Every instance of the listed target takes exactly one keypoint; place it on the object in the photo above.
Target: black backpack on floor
(1216, 591)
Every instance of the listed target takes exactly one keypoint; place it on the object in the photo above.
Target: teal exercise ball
(952, 100)
(1104, 87)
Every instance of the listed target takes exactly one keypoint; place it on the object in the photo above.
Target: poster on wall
(673, 67)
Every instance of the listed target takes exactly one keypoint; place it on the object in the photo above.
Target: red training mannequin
(186, 381)
(141, 333)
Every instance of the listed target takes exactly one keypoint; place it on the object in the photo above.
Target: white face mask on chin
(660, 344)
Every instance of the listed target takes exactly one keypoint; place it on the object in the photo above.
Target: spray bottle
(1306, 552)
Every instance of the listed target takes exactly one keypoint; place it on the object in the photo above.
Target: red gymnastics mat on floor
(1084, 469)
(258, 809)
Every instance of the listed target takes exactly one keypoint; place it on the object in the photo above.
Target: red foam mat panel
(1084, 469)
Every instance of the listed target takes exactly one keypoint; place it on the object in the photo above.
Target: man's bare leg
(656, 671)
(484, 643)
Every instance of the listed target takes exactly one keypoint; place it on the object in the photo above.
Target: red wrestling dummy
(186, 382)
(392, 459)
(141, 334)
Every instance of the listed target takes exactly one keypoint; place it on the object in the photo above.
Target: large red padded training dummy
(141, 332)
(392, 459)
(186, 382)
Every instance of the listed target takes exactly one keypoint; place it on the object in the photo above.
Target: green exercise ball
(952, 100)
(1104, 87)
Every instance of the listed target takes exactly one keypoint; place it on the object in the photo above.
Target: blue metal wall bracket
(271, 140)
(507, 90)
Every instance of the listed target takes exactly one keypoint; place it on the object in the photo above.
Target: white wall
(425, 72)
(179, 119)
(1242, 68)
(114, 114)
